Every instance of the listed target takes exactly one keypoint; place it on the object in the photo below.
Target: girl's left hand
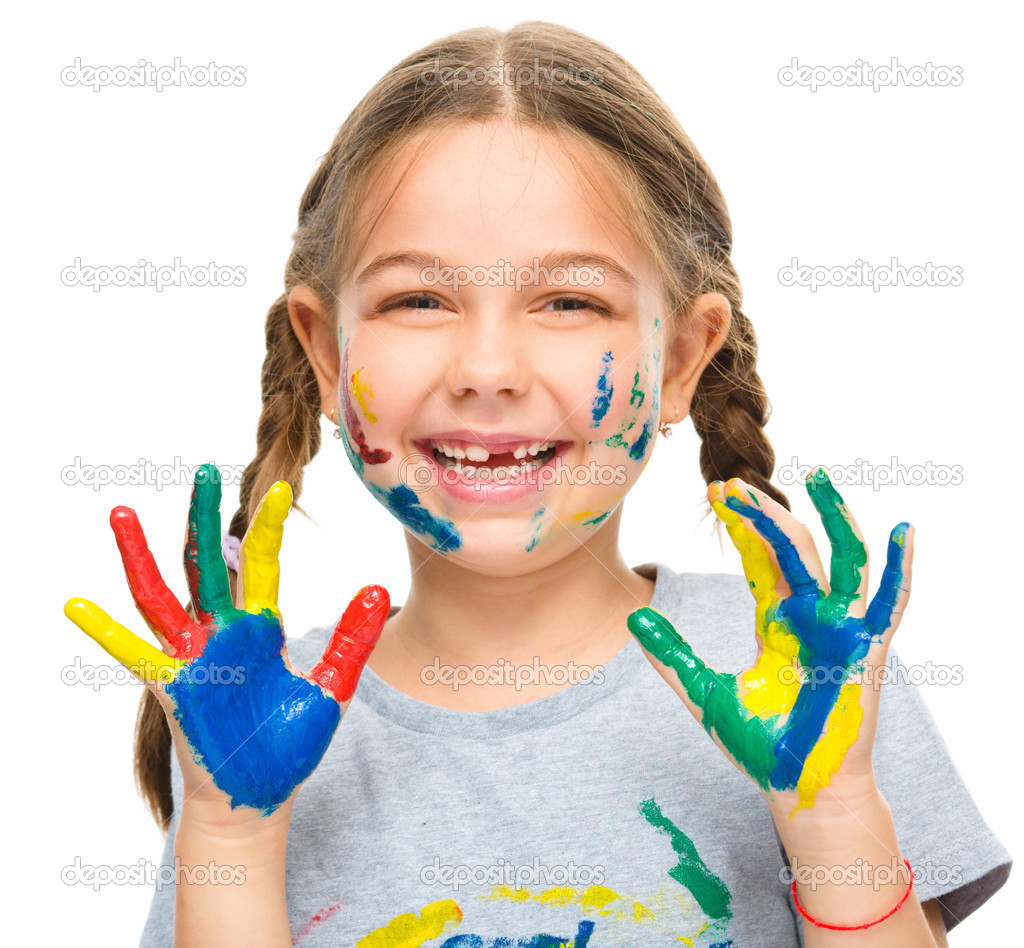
(803, 717)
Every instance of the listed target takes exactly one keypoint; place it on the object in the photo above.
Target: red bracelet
(857, 928)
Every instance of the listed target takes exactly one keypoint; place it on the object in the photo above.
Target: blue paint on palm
(831, 642)
(257, 727)
(603, 399)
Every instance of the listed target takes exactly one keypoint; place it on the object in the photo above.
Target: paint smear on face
(363, 392)
(603, 399)
(365, 453)
(690, 872)
(405, 504)
(633, 435)
(536, 525)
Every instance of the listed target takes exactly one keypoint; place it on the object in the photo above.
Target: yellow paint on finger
(261, 570)
(411, 931)
(826, 757)
(773, 683)
(363, 393)
(143, 660)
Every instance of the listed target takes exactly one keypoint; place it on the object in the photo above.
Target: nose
(489, 357)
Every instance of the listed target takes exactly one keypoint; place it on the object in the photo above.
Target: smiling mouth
(469, 459)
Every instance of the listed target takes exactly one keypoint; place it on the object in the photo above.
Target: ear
(691, 344)
(313, 325)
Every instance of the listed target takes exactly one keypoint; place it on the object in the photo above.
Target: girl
(511, 271)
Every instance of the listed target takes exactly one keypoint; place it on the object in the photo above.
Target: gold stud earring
(665, 429)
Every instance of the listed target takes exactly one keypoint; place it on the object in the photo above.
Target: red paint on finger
(355, 637)
(158, 605)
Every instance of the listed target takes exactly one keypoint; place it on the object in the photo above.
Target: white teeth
(458, 452)
(519, 452)
(477, 452)
(534, 448)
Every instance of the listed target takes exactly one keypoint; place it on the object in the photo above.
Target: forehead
(500, 189)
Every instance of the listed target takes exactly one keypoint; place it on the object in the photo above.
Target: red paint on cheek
(370, 456)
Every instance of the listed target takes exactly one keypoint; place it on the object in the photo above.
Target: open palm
(790, 719)
(253, 725)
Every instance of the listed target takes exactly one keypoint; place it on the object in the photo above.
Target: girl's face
(501, 420)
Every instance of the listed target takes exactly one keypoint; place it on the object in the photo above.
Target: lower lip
(487, 492)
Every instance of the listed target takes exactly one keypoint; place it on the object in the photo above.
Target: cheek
(625, 406)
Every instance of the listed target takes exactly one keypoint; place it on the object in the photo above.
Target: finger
(886, 608)
(355, 637)
(848, 575)
(762, 574)
(204, 562)
(261, 569)
(659, 637)
(714, 703)
(798, 562)
(144, 661)
(157, 604)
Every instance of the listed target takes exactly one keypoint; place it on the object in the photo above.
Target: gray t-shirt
(600, 815)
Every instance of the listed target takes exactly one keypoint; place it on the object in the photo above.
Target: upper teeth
(478, 453)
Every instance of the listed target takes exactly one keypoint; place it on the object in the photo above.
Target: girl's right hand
(247, 728)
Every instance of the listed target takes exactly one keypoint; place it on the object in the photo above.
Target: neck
(573, 609)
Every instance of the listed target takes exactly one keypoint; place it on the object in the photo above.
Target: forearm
(250, 909)
(856, 844)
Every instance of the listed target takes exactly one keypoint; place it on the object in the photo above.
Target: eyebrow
(555, 258)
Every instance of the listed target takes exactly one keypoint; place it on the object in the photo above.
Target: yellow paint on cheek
(363, 393)
(410, 931)
(827, 755)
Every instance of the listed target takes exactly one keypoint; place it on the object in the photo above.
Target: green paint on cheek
(636, 397)
(600, 518)
(537, 522)
(691, 871)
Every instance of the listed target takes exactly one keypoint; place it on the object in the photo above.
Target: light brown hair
(576, 87)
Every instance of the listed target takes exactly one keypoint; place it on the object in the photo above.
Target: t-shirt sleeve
(956, 858)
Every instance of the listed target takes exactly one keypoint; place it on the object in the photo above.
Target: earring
(665, 429)
(334, 418)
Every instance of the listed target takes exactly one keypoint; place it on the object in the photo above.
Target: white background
(215, 174)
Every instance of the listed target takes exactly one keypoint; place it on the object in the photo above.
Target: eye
(413, 301)
(582, 304)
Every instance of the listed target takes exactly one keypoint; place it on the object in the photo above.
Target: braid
(288, 431)
(730, 409)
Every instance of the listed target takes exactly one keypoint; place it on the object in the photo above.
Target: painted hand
(811, 696)
(253, 726)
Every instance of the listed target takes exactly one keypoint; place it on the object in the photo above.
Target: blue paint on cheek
(603, 398)
(406, 507)
(258, 728)
(639, 447)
